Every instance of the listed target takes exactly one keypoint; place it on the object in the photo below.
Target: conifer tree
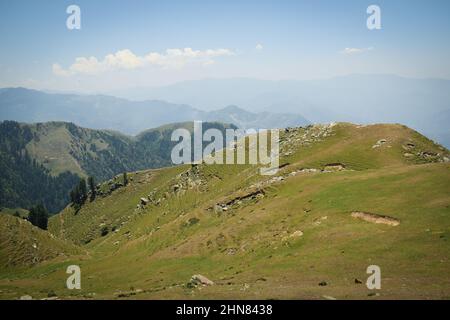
(91, 183)
(125, 179)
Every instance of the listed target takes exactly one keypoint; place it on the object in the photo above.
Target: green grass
(244, 250)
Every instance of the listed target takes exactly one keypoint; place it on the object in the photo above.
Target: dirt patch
(375, 218)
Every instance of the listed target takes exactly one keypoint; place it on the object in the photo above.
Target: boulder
(379, 143)
(199, 279)
(334, 167)
(294, 235)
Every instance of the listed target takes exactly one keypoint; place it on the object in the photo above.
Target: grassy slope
(245, 251)
(23, 245)
(23, 213)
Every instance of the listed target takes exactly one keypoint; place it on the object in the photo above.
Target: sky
(125, 44)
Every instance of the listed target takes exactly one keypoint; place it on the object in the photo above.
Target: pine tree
(42, 219)
(73, 195)
(33, 216)
(91, 183)
(82, 188)
(38, 216)
(125, 179)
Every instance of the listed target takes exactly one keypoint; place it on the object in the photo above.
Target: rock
(217, 208)
(26, 297)
(245, 287)
(323, 283)
(276, 179)
(379, 143)
(334, 167)
(329, 297)
(296, 234)
(408, 155)
(144, 201)
(408, 146)
(199, 279)
(429, 154)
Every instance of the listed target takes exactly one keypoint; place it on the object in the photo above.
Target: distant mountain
(130, 117)
(43, 161)
(247, 120)
(423, 104)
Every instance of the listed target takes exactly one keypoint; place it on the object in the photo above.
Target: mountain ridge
(131, 117)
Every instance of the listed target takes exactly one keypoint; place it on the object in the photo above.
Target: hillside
(24, 245)
(347, 196)
(24, 181)
(130, 117)
(43, 161)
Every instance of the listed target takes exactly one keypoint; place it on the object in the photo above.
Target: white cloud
(259, 46)
(352, 51)
(126, 59)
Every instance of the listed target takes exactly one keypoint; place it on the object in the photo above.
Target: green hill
(24, 245)
(346, 197)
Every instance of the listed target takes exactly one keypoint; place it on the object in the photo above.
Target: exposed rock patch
(238, 201)
(375, 218)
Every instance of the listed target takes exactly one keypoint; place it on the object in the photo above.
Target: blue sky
(256, 39)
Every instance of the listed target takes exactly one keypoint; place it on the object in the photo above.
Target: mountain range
(422, 104)
(130, 117)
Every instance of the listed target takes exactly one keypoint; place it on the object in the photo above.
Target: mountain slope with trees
(42, 162)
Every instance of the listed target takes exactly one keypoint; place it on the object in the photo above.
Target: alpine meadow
(230, 157)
